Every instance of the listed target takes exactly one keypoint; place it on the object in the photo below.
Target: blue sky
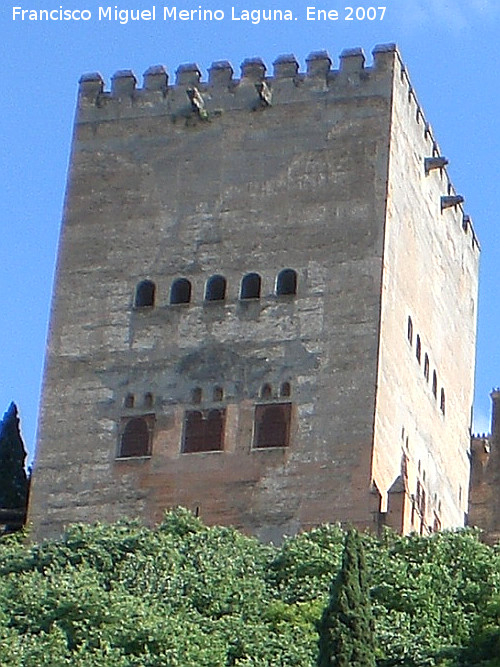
(449, 46)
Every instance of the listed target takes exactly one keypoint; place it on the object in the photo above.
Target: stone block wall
(428, 327)
(229, 178)
(484, 499)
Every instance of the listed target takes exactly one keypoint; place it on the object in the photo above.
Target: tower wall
(228, 177)
(484, 499)
(428, 327)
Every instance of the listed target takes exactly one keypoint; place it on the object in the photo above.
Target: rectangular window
(203, 431)
(272, 425)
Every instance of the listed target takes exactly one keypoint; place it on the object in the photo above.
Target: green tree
(484, 647)
(186, 595)
(346, 633)
(429, 595)
(13, 479)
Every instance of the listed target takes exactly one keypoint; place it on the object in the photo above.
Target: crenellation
(428, 137)
(188, 74)
(352, 60)
(253, 69)
(383, 56)
(286, 66)
(318, 64)
(466, 223)
(90, 90)
(413, 101)
(484, 500)
(156, 78)
(91, 85)
(451, 199)
(197, 186)
(123, 83)
(287, 84)
(220, 74)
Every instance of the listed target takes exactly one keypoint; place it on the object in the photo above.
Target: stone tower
(264, 306)
(484, 499)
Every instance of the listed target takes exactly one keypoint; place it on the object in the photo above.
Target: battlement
(193, 101)
(189, 96)
(287, 81)
(266, 286)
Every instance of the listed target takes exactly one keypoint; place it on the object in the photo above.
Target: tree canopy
(346, 637)
(187, 595)
(13, 479)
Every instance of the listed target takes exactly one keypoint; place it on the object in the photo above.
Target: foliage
(302, 569)
(13, 479)
(184, 594)
(346, 627)
(428, 594)
(484, 648)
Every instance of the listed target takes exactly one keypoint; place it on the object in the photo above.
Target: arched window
(215, 289)
(250, 286)
(418, 350)
(404, 466)
(286, 282)
(443, 401)
(418, 494)
(434, 384)
(145, 294)
(218, 394)
(286, 389)
(423, 503)
(266, 391)
(196, 395)
(129, 401)
(180, 292)
(135, 438)
(426, 367)
(148, 400)
(409, 332)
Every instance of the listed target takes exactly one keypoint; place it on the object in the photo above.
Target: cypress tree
(346, 631)
(13, 478)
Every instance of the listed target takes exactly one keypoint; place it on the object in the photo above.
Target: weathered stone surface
(484, 499)
(329, 181)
